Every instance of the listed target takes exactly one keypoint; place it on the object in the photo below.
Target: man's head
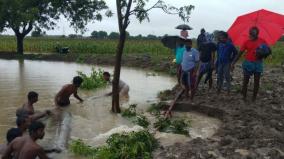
(77, 81)
(106, 76)
(188, 44)
(23, 122)
(253, 33)
(223, 36)
(12, 134)
(33, 97)
(36, 130)
(202, 31)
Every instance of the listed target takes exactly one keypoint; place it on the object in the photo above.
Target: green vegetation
(176, 126)
(155, 108)
(119, 146)
(84, 46)
(94, 81)
(131, 114)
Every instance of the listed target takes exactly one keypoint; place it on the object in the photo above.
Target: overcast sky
(209, 14)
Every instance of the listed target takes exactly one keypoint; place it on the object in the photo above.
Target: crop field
(83, 46)
(93, 46)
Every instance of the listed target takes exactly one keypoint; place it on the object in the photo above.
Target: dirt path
(249, 130)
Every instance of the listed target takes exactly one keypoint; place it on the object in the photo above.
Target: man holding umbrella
(252, 66)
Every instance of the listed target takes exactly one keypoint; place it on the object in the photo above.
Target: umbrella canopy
(270, 25)
(183, 27)
(171, 41)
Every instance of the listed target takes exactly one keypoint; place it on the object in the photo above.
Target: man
(252, 66)
(62, 97)
(201, 38)
(26, 147)
(11, 135)
(226, 52)
(28, 107)
(207, 59)
(123, 87)
(180, 48)
(190, 64)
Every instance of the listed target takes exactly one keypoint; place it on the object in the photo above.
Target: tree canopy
(23, 15)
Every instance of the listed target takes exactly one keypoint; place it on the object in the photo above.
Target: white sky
(209, 14)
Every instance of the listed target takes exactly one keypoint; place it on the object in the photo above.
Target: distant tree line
(97, 35)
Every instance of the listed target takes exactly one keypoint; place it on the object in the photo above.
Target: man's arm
(8, 152)
(237, 59)
(41, 154)
(76, 96)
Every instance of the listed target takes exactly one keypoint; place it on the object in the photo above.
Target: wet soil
(250, 130)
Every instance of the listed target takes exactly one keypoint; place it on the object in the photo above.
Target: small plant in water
(131, 113)
(94, 81)
(155, 108)
(119, 146)
(176, 126)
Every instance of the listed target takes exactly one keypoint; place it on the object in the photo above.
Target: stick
(168, 112)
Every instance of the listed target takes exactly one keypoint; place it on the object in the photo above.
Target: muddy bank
(249, 130)
(145, 61)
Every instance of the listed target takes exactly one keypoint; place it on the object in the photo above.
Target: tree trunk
(115, 85)
(20, 44)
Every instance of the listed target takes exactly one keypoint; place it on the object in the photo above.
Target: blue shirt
(189, 60)
(179, 54)
(226, 52)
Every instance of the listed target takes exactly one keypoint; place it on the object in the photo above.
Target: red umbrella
(270, 24)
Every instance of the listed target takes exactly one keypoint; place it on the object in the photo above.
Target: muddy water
(91, 121)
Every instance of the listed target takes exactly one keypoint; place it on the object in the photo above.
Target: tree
(99, 35)
(23, 15)
(152, 37)
(95, 34)
(113, 35)
(137, 8)
(38, 33)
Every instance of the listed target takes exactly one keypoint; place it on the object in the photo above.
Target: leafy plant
(132, 115)
(94, 81)
(130, 112)
(142, 121)
(155, 108)
(176, 126)
(119, 146)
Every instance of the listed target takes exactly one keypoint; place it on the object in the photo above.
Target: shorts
(251, 68)
(63, 103)
(188, 79)
(205, 67)
(124, 91)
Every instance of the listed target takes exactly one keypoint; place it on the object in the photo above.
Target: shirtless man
(123, 87)
(62, 97)
(26, 147)
(29, 108)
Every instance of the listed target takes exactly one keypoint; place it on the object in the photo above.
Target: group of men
(21, 141)
(222, 55)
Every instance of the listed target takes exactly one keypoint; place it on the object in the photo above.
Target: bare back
(64, 94)
(25, 148)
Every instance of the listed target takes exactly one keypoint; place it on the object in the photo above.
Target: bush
(94, 81)
(132, 145)
(131, 114)
(176, 126)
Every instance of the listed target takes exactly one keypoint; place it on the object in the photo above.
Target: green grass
(93, 81)
(132, 145)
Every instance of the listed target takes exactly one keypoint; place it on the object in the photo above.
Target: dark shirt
(206, 51)
(226, 52)
(200, 40)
